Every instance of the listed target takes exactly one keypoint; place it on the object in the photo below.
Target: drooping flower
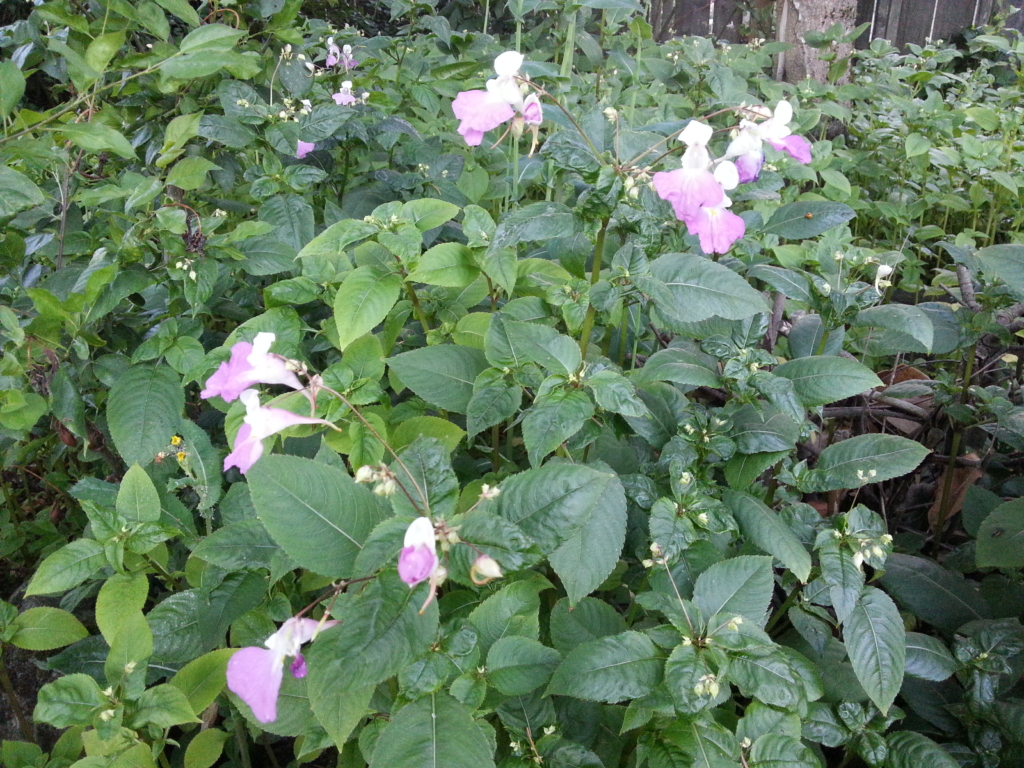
(260, 423)
(304, 148)
(717, 227)
(418, 560)
(344, 96)
(342, 55)
(255, 674)
(250, 364)
(482, 111)
(695, 184)
(746, 147)
(484, 569)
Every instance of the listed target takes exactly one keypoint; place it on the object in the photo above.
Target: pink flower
(304, 148)
(418, 560)
(717, 227)
(694, 184)
(482, 111)
(344, 96)
(250, 364)
(532, 112)
(258, 424)
(346, 57)
(255, 674)
(749, 166)
(333, 53)
(775, 130)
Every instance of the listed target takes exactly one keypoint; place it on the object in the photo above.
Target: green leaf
(902, 318)
(821, 380)
(1005, 262)
(590, 619)
(137, 499)
(803, 220)
(17, 192)
(701, 288)
(940, 597)
(205, 749)
(102, 49)
(917, 145)
(213, 37)
(441, 375)
(340, 712)
(867, 459)
(552, 420)
(182, 10)
(744, 468)
(96, 138)
(1001, 537)
(190, 172)
(763, 431)
(678, 366)
(120, 596)
(512, 344)
(202, 679)
(448, 264)
(130, 648)
(71, 700)
(610, 669)
(363, 301)
(777, 750)
(144, 411)
(517, 665)
(577, 516)
(876, 643)
(245, 544)
(513, 610)
(293, 218)
(428, 213)
(43, 629)
(335, 240)
(767, 531)
(12, 87)
(68, 567)
(317, 513)
(163, 706)
(435, 731)
(928, 657)
(908, 749)
(381, 631)
(532, 223)
(492, 404)
(741, 585)
(442, 430)
(205, 464)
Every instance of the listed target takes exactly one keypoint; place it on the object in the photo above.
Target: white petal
(783, 113)
(505, 89)
(727, 175)
(421, 531)
(261, 344)
(696, 133)
(744, 143)
(251, 400)
(508, 63)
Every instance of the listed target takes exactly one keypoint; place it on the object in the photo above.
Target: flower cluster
(335, 56)
(481, 111)
(342, 55)
(697, 190)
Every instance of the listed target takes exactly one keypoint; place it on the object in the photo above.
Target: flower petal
(688, 190)
(247, 451)
(417, 563)
(796, 147)
(717, 227)
(479, 112)
(254, 675)
(508, 63)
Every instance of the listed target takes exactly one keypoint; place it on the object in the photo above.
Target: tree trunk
(796, 17)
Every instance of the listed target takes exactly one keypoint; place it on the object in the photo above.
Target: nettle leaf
(932, 593)
(902, 318)
(441, 375)
(552, 420)
(144, 411)
(448, 264)
(535, 222)
(766, 529)
(119, 598)
(71, 700)
(435, 731)
(245, 544)
(577, 516)
(44, 629)
(68, 567)
(431, 472)
(928, 657)
(363, 301)
(317, 514)
(866, 459)
(701, 288)
(17, 191)
(741, 585)
(678, 366)
(876, 643)
(777, 750)
(822, 380)
(517, 665)
(908, 749)
(609, 669)
(510, 343)
(590, 619)
(137, 499)
(806, 219)
(512, 610)
(1001, 537)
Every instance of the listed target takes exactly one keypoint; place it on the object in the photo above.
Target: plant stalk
(954, 450)
(19, 713)
(595, 275)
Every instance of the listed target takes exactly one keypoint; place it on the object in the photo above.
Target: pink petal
(749, 166)
(688, 190)
(718, 229)
(532, 112)
(254, 675)
(331, 60)
(415, 564)
(231, 377)
(248, 449)
(479, 112)
(304, 148)
(273, 420)
(796, 147)
(343, 98)
(299, 667)
(351, 64)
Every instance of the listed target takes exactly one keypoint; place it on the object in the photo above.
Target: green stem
(570, 41)
(821, 344)
(487, 14)
(954, 450)
(420, 314)
(496, 448)
(12, 696)
(242, 741)
(784, 608)
(515, 169)
(595, 275)
(165, 575)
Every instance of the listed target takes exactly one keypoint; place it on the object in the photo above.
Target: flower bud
(365, 474)
(485, 569)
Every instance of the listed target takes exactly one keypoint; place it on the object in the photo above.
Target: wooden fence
(899, 21)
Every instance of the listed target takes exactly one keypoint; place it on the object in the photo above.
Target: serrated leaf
(44, 629)
(908, 749)
(144, 411)
(436, 731)
(96, 138)
(68, 567)
(938, 596)
(902, 318)
(610, 669)
(741, 585)
(1005, 262)
(867, 459)
(12, 87)
(17, 192)
(766, 529)
(928, 657)
(678, 366)
(876, 643)
(428, 213)
(363, 301)
(1001, 537)
(803, 220)
(449, 264)
(517, 665)
(441, 375)
(552, 420)
(822, 380)
(701, 288)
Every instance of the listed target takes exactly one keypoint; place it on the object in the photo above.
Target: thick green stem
(570, 41)
(595, 275)
(12, 696)
(821, 344)
(487, 14)
(784, 608)
(954, 450)
(242, 741)
(417, 307)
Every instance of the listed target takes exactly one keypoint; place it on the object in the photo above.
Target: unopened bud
(489, 491)
(366, 474)
(485, 569)
(107, 715)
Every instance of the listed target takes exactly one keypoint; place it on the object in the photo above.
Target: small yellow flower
(176, 440)
(181, 455)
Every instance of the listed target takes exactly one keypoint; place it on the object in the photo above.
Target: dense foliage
(711, 480)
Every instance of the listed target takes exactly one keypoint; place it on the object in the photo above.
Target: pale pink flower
(482, 111)
(255, 674)
(775, 130)
(418, 560)
(260, 423)
(250, 364)
(333, 53)
(344, 96)
(304, 148)
(717, 227)
(695, 184)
